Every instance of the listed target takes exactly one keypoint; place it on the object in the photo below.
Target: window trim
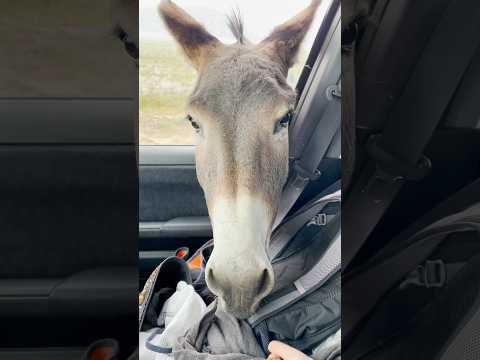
(167, 155)
(68, 120)
(322, 34)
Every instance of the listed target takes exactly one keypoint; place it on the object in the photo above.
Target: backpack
(424, 291)
(306, 259)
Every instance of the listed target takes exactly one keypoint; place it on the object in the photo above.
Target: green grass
(166, 80)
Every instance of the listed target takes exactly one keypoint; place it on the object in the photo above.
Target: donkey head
(240, 108)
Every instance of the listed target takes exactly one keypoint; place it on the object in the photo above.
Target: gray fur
(235, 88)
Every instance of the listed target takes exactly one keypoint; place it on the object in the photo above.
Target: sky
(260, 16)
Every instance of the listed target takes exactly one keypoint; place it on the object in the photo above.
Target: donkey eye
(283, 122)
(194, 124)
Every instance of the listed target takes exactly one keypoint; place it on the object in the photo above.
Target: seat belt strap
(348, 124)
(303, 170)
(308, 146)
(396, 155)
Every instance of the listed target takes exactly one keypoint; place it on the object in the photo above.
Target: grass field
(166, 80)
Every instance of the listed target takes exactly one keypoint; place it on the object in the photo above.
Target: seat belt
(396, 154)
(350, 30)
(348, 111)
(308, 148)
(396, 261)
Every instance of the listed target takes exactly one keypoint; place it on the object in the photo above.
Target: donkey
(240, 107)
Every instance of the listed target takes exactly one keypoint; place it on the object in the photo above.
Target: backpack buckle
(432, 274)
(318, 220)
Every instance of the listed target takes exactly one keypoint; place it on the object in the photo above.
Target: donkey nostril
(240, 288)
(209, 275)
(212, 282)
(265, 283)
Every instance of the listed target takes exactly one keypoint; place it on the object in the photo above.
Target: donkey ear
(197, 43)
(283, 43)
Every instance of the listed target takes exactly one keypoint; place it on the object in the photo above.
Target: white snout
(239, 271)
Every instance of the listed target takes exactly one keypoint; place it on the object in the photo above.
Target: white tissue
(181, 310)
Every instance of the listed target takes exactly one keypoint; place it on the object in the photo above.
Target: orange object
(196, 262)
(102, 353)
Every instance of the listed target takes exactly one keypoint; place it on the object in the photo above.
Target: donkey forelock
(235, 24)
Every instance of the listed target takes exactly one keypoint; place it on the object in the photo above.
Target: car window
(166, 79)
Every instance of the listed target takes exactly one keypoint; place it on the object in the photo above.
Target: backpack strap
(284, 233)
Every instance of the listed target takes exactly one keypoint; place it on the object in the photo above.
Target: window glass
(166, 79)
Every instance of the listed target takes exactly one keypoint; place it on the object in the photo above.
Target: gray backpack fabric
(307, 322)
(417, 286)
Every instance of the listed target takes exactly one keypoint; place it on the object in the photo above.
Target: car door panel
(173, 211)
(68, 221)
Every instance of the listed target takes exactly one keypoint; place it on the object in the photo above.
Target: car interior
(386, 59)
(402, 47)
(71, 275)
(68, 220)
(173, 212)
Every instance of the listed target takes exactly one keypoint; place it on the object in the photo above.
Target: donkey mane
(235, 24)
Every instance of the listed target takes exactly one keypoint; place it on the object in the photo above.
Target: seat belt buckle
(432, 274)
